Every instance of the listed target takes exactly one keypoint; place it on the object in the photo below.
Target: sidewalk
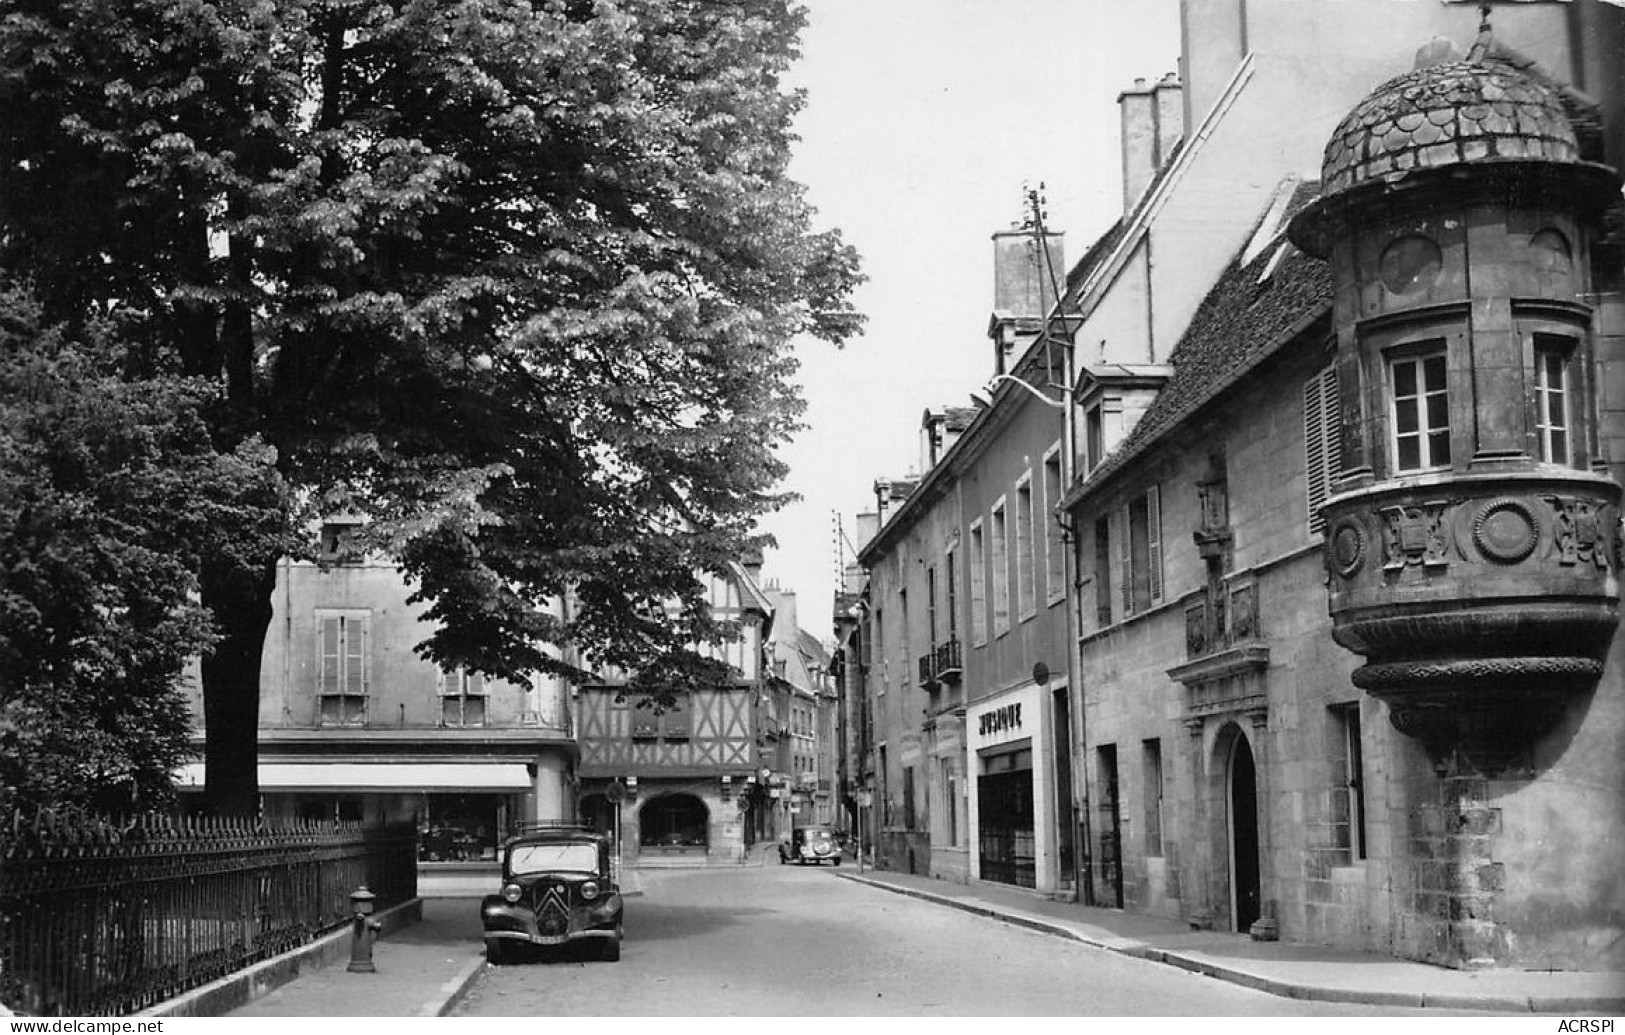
(1290, 970)
(423, 969)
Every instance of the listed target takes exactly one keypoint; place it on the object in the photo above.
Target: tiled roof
(1245, 318)
(1444, 114)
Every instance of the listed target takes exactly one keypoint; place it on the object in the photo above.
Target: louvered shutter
(1153, 537)
(1125, 545)
(1321, 442)
(355, 656)
(327, 656)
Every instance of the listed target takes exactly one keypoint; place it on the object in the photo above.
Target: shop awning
(380, 776)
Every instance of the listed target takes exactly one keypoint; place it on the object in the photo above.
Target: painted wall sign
(999, 720)
(1013, 716)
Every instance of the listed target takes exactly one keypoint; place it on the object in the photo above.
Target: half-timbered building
(682, 782)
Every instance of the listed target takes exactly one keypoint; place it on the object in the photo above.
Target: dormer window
(1111, 397)
(332, 540)
(1094, 437)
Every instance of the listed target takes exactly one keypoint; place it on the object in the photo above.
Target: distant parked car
(810, 845)
(557, 889)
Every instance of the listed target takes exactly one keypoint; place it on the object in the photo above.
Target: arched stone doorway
(674, 824)
(1241, 781)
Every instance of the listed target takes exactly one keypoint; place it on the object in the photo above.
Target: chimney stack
(1023, 288)
(1153, 120)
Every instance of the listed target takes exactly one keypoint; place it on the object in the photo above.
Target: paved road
(787, 941)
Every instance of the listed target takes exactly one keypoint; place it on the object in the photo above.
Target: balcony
(1482, 605)
(949, 666)
(940, 666)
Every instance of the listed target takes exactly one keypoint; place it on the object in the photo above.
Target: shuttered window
(1026, 556)
(999, 533)
(1140, 542)
(979, 620)
(343, 648)
(1321, 443)
(1103, 573)
(462, 697)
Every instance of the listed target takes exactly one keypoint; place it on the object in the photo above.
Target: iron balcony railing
(949, 667)
(940, 665)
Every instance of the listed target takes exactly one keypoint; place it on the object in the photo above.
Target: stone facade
(355, 724)
(1335, 690)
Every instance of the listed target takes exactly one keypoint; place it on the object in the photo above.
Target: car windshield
(550, 858)
(816, 835)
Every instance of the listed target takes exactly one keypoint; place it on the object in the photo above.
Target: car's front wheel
(611, 949)
(496, 951)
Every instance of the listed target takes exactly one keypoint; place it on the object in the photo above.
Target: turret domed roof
(1473, 110)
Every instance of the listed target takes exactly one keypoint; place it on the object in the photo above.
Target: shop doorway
(1004, 805)
(1111, 822)
(1244, 873)
(674, 824)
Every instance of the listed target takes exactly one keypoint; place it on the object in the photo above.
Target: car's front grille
(553, 911)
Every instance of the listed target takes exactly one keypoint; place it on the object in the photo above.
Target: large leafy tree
(111, 490)
(516, 279)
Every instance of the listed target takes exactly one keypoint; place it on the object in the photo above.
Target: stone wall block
(1476, 943)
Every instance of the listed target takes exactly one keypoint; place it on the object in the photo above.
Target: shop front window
(461, 827)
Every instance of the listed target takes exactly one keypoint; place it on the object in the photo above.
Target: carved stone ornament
(1414, 534)
(1244, 612)
(1581, 534)
(1505, 531)
(1346, 546)
(1196, 628)
(1411, 676)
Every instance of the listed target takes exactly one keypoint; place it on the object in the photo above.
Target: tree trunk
(240, 600)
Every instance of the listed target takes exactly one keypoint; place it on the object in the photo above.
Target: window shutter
(676, 724)
(1125, 551)
(327, 656)
(355, 660)
(1153, 535)
(1320, 442)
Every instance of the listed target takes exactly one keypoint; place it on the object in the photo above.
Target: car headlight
(511, 893)
(589, 891)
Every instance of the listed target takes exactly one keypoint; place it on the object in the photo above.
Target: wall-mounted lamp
(983, 396)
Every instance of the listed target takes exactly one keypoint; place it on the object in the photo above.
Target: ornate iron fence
(106, 917)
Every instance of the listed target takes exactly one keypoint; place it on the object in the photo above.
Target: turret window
(1421, 409)
(1552, 408)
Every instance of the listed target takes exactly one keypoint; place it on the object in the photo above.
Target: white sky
(924, 122)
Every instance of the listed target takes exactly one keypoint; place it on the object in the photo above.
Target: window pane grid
(1551, 402)
(1421, 412)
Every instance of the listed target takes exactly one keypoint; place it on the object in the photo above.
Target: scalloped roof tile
(1456, 111)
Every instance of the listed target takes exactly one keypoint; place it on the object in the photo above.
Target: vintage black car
(558, 888)
(810, 845)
